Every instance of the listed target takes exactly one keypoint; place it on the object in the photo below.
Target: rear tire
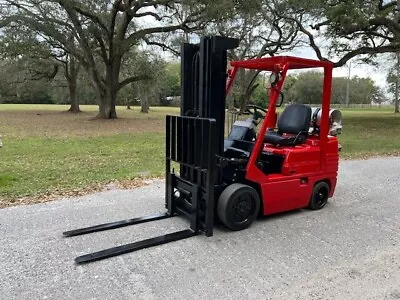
(238, 206)
(319, 196)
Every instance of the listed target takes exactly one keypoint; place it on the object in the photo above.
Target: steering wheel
(258, 112)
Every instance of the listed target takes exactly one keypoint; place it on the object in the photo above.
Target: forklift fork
(152, 242)
(115, 225)
(189, 194)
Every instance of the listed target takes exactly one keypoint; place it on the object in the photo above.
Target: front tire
(319, 196)
(238, 206)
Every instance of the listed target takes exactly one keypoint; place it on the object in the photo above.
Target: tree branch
(319, 25)
(87, 14)
(148, 13)
(129, 80)
(141, 33)
(366, 50)
(41, 75)
(162, 45)
(313, 45)
(99, 39)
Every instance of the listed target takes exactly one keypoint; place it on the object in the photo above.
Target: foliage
(18, 84)
(393, 80)
(262, 31)
(306, 87)
(348, 29)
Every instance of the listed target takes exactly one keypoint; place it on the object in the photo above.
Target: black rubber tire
(238, 206)
(319, 196)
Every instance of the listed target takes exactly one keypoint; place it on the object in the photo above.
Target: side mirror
(274, 78)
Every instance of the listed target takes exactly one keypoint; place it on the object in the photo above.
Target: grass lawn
(47, 150)
(370, 133)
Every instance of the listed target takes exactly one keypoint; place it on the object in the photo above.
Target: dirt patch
(61, 124)
(366, 156)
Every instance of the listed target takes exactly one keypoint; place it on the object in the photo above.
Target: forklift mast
(196, 137)
(204, 76)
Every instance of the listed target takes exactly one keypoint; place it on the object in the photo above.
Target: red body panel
(303, 165)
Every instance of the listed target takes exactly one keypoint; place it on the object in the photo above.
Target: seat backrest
(295, 119)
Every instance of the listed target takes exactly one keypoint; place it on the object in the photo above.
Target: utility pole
(348, 86)
(396, 97)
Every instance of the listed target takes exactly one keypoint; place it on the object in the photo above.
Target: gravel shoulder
(348, 250)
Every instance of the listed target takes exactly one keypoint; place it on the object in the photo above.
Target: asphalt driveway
(348, 250)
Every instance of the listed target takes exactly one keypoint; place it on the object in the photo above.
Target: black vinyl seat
(294, 121)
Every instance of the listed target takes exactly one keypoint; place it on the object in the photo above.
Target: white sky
(377, 73)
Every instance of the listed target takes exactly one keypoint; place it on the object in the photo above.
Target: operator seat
(293, 126)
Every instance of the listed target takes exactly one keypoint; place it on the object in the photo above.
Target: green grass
(37, 165)
(47, 150)
(369, 133)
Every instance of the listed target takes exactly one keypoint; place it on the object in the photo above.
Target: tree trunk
(107, 106)
(241, 81)
(73, 99)
(231, 102)
(396, 99)
(108, 94)
(71, 71)
(247, 87)
(144, 103)
(348, 86)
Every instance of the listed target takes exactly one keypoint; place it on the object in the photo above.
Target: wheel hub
(242, 209)
(321, 196)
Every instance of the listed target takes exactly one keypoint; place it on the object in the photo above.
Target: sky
(377, 73)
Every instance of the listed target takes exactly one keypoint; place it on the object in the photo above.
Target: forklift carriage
(291, 163)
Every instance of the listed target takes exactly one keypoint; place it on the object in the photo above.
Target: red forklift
(290, 163)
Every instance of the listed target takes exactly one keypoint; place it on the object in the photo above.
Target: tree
(306, 87)
(104, 32)
(23, 42)
(170, 81)
(379, 96)
(262, 31)
(71, 71)
(393, 79)
(17, 84)
(149, 62)
(349, 29)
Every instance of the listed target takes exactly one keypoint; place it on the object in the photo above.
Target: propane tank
(335, 120)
